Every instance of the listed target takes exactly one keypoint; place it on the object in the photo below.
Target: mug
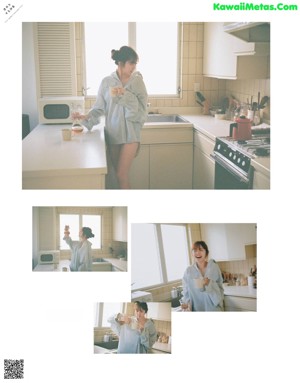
(66, 134)
(113, 90)
(134, 323)
(199, 283)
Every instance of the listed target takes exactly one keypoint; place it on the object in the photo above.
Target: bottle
(174, 293)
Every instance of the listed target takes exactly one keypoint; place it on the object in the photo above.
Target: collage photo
(144, 201)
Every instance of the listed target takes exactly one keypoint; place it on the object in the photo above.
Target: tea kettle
(241, 129)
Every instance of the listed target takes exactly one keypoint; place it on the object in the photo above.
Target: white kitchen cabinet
(249, 233)
(233, 303)
(225, 57)
(120, 223)
(226, 242)
(261, 181)
(171, 166)
(204, 166)
(159, 311)
(139, 171)
(165, 160)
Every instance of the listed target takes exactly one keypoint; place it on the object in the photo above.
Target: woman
(81, 259)
(137, 334)
(122, 98)
(202, 282)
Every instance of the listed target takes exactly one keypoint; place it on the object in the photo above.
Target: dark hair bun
(87, 231)
(124, 54)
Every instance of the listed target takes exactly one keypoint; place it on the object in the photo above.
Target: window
(159, 253)
(105, 310)
(158, 47)
(76, 221)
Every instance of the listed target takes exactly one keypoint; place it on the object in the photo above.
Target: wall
(192, 72)
(192, 41)
(192, 57)
(29, 96)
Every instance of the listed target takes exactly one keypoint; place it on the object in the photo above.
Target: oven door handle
(239, 176)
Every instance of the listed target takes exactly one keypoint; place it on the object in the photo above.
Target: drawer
(169, 135)
(203, 143)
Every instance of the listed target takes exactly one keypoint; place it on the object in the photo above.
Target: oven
(233, 169)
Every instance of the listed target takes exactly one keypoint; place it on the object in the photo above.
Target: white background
(47, 319)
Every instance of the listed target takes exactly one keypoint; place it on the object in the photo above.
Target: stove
(233, 169)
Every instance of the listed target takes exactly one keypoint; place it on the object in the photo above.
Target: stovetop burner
(237, 155)
(255, 147)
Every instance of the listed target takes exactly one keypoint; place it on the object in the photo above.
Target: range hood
(250, 32)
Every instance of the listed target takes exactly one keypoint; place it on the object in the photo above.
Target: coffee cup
(66, 134)
(113, 90)
(134, 323)
(199, 283)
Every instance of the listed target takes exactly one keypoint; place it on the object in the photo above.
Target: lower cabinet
(165, 160)
(139, 172)
(171, 166)
(260, 181)
(233, 303)
(204, 166)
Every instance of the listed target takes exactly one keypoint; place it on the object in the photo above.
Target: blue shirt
(81, 259)
(133, 341)
(125, 115)
(207, 298)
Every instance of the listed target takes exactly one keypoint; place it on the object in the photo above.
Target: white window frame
(99, 310)
(161, 253)
(132, 43)
(80, 215)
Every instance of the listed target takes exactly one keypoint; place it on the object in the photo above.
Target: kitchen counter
(163, 347)
(118, 263)
(54, 267)
(212, 128)
(240, 291)
(102, 350)
(51, 163)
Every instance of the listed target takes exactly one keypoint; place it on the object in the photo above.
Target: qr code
(13, 368)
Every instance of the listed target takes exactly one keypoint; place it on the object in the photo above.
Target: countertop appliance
(233, 169)
(58, 110)
(47, 257)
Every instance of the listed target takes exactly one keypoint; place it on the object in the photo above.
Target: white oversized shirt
(126, 114)
(81, 259)
(207, 298)
(132, 341)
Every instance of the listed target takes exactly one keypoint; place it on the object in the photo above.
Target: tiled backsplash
(241, 267)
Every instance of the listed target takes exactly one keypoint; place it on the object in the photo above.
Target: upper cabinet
(228, 57)
(226, 242)
(120, 223)
(159, 311)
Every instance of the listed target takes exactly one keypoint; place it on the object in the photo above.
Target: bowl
(77, 129)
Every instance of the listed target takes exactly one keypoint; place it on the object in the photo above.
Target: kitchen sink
(111, 345)
(99, 260)
(173, 118)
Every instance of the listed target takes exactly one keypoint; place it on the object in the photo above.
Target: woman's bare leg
(127, 154)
